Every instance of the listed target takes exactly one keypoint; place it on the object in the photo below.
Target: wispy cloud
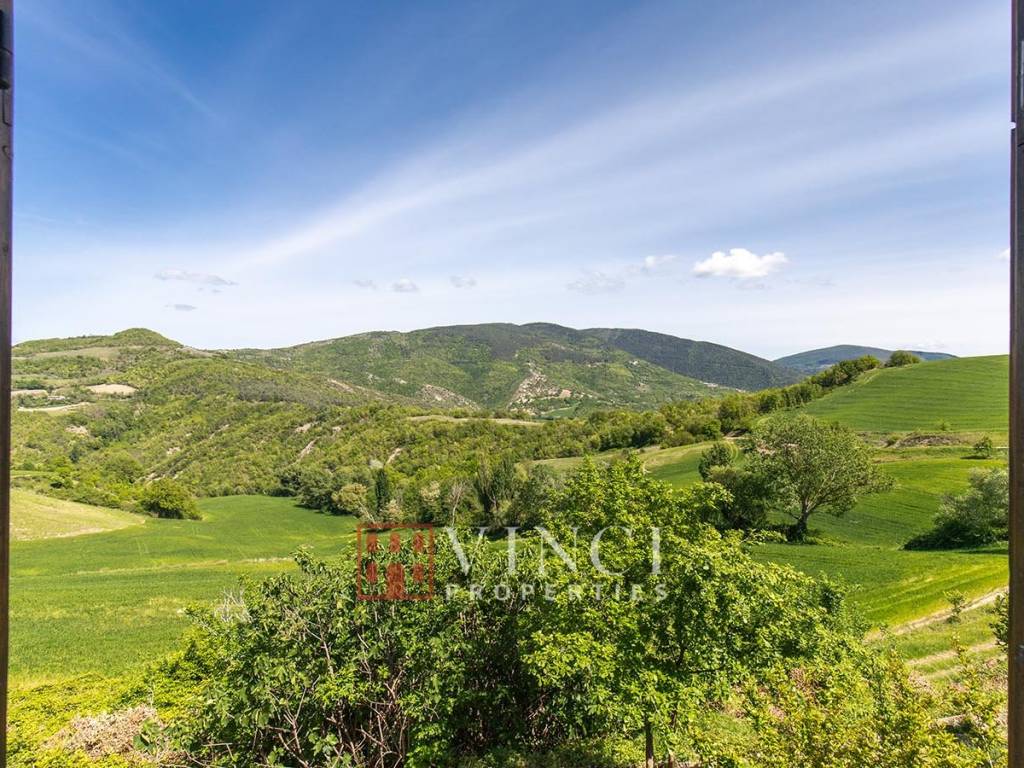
(369, 285)
(1004, 255)
(653, 264)
(182, 307)
(200, 278)
(597, 282)
(405, 285)
(740, 264)
(463, 282)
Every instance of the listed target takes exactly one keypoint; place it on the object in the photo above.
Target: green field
(34, 516)
(967, 394)
(103, 602)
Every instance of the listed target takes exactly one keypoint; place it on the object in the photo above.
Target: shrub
(984, 448)
(900, 358)
(720, 454)
(169, 498)
(978, 516)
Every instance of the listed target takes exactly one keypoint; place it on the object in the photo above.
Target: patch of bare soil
(110, 734)
(121, 390)
(915, 441)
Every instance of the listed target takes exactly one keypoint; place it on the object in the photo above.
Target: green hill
(699, 359)
(542, 368)
(815, 360)
(967, 394)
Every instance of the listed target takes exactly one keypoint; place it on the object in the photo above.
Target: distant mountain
(543, 368)
(699, 359)
(540, 368)
(816, 360)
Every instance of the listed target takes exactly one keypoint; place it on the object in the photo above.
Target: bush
(978, 516)
(169, 498)
(901, 357)
(720, 454)
(984, 448)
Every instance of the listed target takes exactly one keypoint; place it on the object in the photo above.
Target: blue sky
(772, 176)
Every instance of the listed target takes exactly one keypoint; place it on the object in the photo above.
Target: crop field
(961, 395)
(102, 602)
(34, 516)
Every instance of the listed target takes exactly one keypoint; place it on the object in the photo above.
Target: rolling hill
(540, 367)
(815, 360)
(968, 394)
(699, 359)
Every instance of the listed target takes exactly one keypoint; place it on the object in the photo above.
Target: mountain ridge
(813, 360)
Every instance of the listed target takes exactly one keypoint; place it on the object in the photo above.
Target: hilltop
(542, 367)
(967, 394)
(815, 360)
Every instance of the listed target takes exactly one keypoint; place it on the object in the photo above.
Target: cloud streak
(199, 278)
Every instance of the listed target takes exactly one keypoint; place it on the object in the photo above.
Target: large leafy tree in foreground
(813, 467)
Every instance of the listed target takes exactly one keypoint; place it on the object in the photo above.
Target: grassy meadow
(962, 395)
(102, 602)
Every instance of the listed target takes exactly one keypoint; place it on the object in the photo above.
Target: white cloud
(740, 264)
(597, 282)
(405, 285)
(463, 282)
(367, 284)
(1004, 255)
(182, 307)
(192, 277)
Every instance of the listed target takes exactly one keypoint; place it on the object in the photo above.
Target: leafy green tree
(900, 358)
(813, 467)
(752, 496)
(720, 454)
(382, 492)
(166, 497)
(978, 516)
(314, 487)
(709, 616)
(495, 484)
(350, 499)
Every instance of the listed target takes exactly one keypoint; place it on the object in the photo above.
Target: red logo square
(394, 561)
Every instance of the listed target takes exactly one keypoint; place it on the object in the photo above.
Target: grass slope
(108, 601)
(968, 394)
(34, 516)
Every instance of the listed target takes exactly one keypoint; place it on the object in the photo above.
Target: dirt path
(945, 613)
(950, 654)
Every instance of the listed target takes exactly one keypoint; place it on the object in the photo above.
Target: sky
(771, 176)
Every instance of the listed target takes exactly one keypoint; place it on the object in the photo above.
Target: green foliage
(860, 708)
(984, 448)
(720, 454)
(351, 499)
(975, 517)
(900, 358)
(471, 674)
(168, 498)
(814, 467)
(1000, 623)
